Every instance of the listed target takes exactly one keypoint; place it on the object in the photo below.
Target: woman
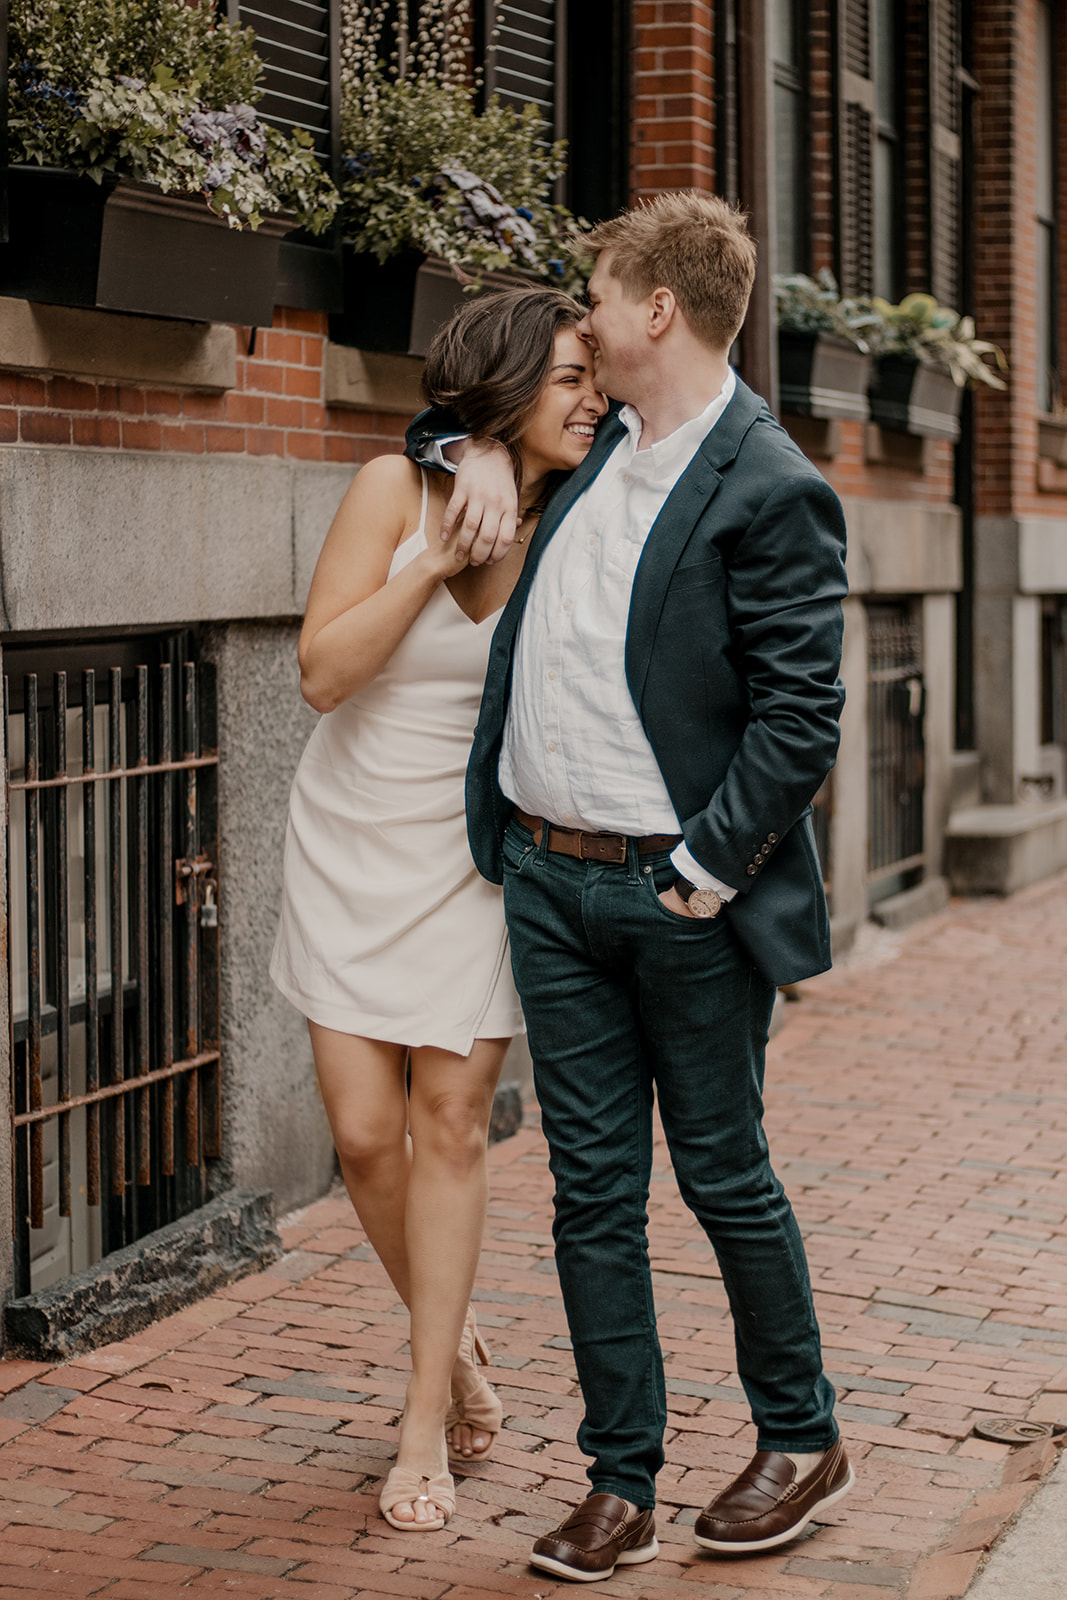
(390, 943)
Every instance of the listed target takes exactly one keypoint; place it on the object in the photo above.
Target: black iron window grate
(896, 706)
(113, 954)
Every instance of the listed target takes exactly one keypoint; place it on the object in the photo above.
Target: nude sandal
(403, 1486)
(473, 1399)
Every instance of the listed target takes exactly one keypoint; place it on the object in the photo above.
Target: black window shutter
(297, 40)
(523, 62)
(855, 147)
(944, 92)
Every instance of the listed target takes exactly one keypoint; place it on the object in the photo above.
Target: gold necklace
(532, 511)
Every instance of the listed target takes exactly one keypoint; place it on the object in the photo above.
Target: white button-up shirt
(574, 749)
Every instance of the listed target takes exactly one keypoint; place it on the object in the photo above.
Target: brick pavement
(918, 1108)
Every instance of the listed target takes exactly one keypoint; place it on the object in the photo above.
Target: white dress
(387, 930)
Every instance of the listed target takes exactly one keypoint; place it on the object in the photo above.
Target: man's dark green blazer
(732, 655)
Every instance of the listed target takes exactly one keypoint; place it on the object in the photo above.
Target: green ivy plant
(162, 93)
(815, 305)
(425, 169)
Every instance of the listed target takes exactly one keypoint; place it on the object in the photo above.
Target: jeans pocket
(659, 876)
(517, 847)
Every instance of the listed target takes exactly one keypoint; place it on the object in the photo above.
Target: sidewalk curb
(947, 1572)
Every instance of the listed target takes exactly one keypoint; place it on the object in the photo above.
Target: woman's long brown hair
(489, 365)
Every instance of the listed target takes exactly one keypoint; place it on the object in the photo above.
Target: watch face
(704, 903)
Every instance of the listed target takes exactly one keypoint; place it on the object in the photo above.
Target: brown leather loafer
(766, 1506)
(598, 1536)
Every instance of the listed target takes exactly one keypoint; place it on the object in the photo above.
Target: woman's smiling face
(563, 425)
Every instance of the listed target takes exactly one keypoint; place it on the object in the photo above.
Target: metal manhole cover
(1012, 1430)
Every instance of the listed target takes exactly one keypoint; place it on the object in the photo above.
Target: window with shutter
(791, 151)
(1049, 384)
(297, 42)
(571, 61)
(522, 63)
(945, 150)
(870, 146)
(856, 138)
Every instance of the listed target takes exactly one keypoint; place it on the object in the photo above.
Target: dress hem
(421, 1034)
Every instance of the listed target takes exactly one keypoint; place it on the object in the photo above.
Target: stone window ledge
(373, 380)
(110, 347)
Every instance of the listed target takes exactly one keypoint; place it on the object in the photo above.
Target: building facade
(165, 485)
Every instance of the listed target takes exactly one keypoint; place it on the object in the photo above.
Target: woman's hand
(483, 511)
(443, 557)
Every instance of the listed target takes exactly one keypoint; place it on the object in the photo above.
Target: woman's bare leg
(420, 1198)
(364, 1089)
(451, 1102)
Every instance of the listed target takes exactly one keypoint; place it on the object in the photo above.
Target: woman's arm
(356, 614)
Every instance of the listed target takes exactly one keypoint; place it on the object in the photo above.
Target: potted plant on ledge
(824, 361)
(143, 179)
(926, 356)
(438, 197)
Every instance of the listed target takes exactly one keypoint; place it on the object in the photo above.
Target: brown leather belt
(583, 846)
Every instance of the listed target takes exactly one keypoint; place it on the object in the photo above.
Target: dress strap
(425, 476)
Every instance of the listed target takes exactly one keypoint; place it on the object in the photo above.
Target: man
(660, 708)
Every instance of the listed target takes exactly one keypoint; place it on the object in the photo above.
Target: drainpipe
(759, 337)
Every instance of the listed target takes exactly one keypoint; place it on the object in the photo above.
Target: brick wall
(1008, 473)
(276, 408)
(673, 110)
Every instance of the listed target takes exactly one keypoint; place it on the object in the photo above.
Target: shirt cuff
(691, 869)
(432, 452)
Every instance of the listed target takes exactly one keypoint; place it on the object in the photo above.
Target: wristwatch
(701, 902)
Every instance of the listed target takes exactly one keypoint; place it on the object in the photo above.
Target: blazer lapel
(673, 528)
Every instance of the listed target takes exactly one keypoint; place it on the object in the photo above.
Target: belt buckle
(604, 843)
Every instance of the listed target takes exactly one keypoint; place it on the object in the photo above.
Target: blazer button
(751, 871)
(772, 838)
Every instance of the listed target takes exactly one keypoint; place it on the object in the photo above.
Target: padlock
(209, 911)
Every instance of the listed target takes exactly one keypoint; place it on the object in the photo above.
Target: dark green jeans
(624, 998)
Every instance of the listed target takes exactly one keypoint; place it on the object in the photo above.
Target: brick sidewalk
(918, 1111)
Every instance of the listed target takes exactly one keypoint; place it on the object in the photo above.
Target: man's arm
(484, 503)
(785, 581)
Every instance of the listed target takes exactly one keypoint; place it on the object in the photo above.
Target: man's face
(616, 328)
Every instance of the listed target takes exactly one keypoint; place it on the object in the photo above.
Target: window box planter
(914, 397)
(124, 246)
(398, 305)
(822, 375)
(1052, 438)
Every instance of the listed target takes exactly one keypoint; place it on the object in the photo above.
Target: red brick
(304, 381)
(31, 391)
(306, 446)
(72, 394)
(131, 401)
(221, 440)
(244, 408)
(105, 432)
(203, 407)
(142, 435)
(265, 378)
(285, 413)
(44, 427)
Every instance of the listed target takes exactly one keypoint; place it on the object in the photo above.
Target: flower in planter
(159, 92)
(921, 329)
(426, 170)
(815, 305)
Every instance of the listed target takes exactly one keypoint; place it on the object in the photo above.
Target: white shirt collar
(667, 456)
